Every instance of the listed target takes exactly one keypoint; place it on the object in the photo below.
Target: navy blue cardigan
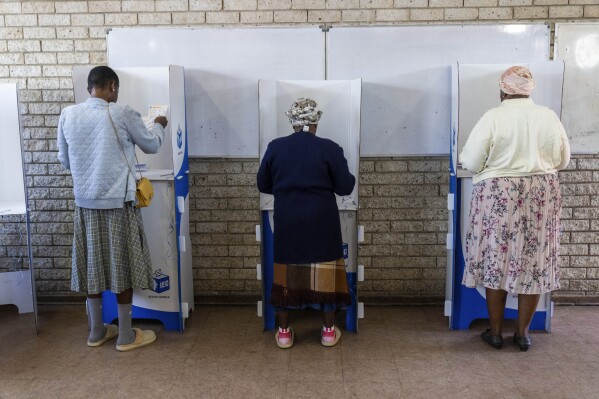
(304, 172)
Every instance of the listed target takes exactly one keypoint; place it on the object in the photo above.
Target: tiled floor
(400, 352)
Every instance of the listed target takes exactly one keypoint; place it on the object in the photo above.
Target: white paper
(153, 112)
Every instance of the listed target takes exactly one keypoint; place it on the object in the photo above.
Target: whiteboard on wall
(12, 184)
(578, 45)
(406, 76)
(339, 101)
(222, 69)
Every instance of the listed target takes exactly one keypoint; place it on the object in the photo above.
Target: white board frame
(222, 69)
(223, 66)
(577, 44)
(406, 74)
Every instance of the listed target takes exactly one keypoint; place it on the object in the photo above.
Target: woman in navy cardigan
(304, 172)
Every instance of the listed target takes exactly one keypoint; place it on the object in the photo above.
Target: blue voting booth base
(171, 320)
(468, 304)
(268, 310)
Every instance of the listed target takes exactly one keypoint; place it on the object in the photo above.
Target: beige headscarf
(517, 80)
(304, 111)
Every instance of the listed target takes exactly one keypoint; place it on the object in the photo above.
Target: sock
(97, 327)
(126, 333)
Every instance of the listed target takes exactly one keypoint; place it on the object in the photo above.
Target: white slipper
(142, 338)
(111, 332)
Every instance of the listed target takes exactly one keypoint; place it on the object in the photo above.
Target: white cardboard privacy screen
(12, 185)
(340, 122)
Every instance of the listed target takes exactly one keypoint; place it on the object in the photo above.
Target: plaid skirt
(297, 285)
(110, 251)
(512, 240)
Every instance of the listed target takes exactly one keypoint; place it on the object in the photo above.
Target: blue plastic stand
(170, 320)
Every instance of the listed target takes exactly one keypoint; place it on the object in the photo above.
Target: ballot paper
(153, 112)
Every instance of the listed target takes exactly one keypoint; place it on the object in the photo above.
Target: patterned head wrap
(517, 80)
(304, 111)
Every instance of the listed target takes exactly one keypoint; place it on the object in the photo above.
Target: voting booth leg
(268, 310)
(351, 313)
(349, 235)
(31, 271)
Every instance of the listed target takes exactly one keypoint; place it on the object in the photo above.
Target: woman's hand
(161, 120)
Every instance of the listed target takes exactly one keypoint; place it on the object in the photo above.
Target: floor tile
(400, 352)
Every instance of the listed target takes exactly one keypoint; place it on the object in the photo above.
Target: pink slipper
(284, 338)
(330, 336)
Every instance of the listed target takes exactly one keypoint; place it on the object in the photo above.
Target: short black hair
(101, 76)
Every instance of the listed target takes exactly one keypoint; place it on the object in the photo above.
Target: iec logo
(346, 254)
(161, 282)
(179, 137)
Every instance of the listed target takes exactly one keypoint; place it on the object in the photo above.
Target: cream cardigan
(518, 138)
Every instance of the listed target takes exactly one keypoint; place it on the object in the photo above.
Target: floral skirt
(513, 232)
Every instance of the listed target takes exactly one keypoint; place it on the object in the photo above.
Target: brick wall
(403, 199)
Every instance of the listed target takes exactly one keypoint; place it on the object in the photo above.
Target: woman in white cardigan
(512, 242)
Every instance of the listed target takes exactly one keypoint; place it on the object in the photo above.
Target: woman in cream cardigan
(512, 242)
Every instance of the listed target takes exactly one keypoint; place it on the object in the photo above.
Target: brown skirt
(296, 285)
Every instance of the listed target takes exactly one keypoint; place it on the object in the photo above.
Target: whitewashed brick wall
(403, 199)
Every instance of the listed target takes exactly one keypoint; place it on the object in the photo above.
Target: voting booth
(17, 285)
(340, 101)
(475, 90)
(166, 220)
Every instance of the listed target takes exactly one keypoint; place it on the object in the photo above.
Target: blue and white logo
(346, 254)
(179, 137)
(161, 282)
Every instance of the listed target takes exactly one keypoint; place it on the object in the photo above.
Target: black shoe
(496, 341)
(523, 342)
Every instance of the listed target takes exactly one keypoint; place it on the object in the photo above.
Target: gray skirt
(110, 251)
